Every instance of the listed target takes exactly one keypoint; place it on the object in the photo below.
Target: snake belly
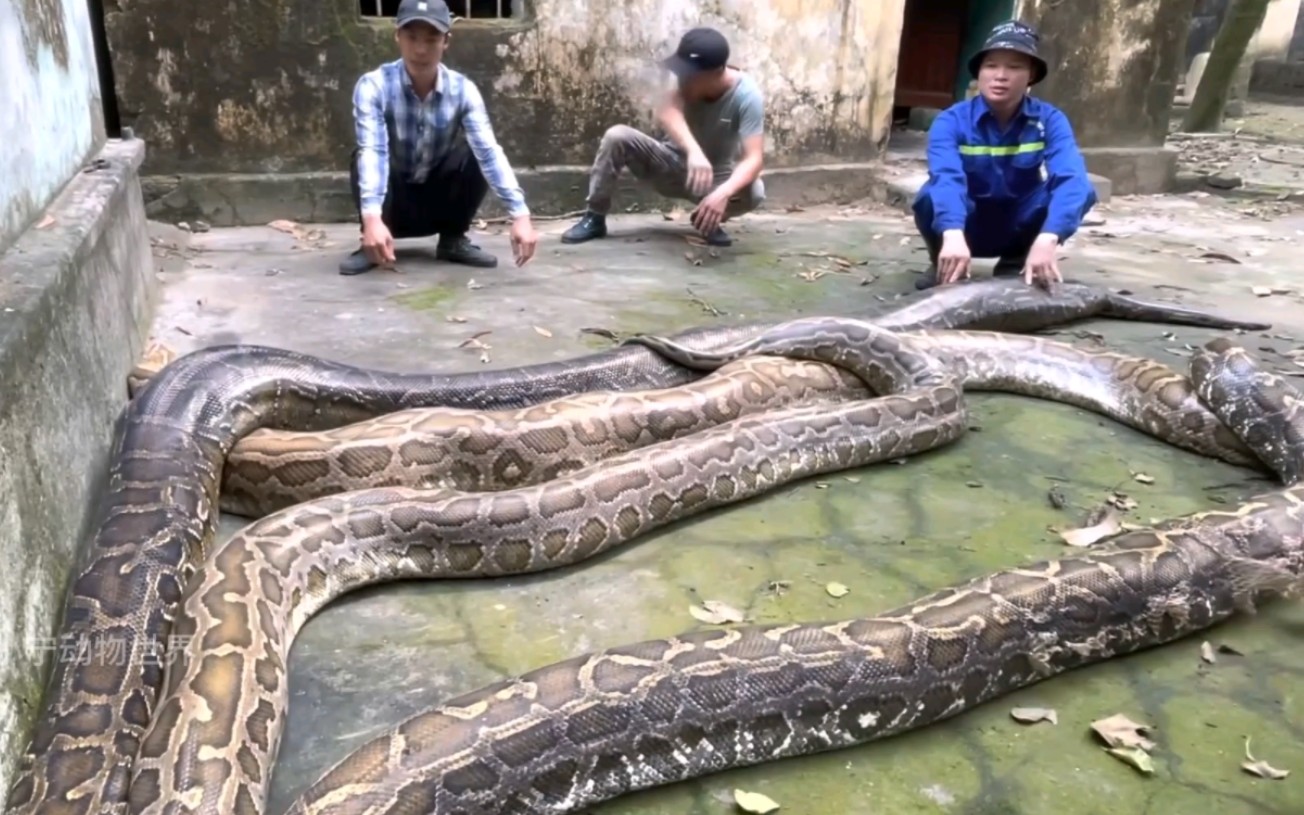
(159, 514)
(211, 746)
(589, 729)
(269, 470)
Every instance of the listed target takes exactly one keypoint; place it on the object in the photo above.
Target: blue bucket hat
(1012, 36)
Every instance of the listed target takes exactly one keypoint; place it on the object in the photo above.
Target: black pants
(444, 204)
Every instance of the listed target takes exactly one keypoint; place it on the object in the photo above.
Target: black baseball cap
(700, 49)
(433, 12)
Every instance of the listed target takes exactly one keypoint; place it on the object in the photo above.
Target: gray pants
(657, 164)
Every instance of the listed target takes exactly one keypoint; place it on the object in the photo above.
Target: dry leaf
(1122, 501)
(1261, 291)
(1143, 478)
(1133, 755)
(1120, 731)
(48, 220)
(289, 227)
(821, 485)
(714, 612)
(1110, 524)
(543, 332)
(836, 589)
(471, 284)
(853, 479)
(1261, 768)
(1032, 715)
(1206, 653)
(452, 318)
(1220, 256)
(754, 802)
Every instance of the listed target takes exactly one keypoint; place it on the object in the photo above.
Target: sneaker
(1009, 267)
(591, 226)
(927, 280)
(719, 238)
(356, 263)
(460, 250)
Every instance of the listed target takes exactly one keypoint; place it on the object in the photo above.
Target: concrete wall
(1278, 29)
(75, 290)
(1114, 68)
(53, 116)
(555, 79)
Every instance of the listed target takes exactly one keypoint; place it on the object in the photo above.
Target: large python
(210, 748)
(269, 470)
(594, 727)
(160, 511)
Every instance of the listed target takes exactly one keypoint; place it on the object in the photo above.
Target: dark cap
(1012, 36)
(700, 49)
(434, 12)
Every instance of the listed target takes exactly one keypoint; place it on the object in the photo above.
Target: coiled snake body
(200, 756)
(160, 512)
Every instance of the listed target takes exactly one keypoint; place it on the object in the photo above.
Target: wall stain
(43, 25)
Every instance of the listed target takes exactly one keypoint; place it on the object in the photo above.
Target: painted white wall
(51, 116)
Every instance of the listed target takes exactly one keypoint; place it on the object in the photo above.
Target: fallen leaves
(1032, 715)
(1125, 741)
(1143, 478)
(715, 612)
(1110, 523)
(1259, 767)
(307, 238)
(754, 802)
(474, 343)
(836, 590)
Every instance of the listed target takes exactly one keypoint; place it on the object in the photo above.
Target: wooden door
(929, 59)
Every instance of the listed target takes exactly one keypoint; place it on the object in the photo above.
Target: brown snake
(560, 738)
(303, 557)
(158, 515)
(470, 450)
(211, 746)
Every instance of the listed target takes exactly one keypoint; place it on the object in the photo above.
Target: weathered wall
(1114, 65)
(555, 78)
(1277, 31)
(53, 117)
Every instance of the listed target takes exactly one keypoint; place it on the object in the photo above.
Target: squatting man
(714, 113)
(426, 153)
(986, 195)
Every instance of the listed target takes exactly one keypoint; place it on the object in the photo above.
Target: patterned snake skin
(595, 727)
(269, 470)
(159, 515)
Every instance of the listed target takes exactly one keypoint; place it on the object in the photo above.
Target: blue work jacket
(991, 181)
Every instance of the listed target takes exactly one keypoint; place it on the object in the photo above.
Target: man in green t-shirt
(715, 123)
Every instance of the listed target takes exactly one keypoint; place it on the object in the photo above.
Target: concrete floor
(372, 659)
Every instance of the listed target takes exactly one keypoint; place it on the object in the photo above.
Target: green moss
(430, 298)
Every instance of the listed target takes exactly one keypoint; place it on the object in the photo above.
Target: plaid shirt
(389, 117)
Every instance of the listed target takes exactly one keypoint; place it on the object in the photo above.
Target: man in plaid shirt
(426, 152)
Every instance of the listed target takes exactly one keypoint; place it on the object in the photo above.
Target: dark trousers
(444, 204)
(1008, 237)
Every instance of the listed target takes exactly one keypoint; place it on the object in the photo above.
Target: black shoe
(927, 280)
(1009, 267)
(719, 238)
(591, 226)
(459, 249)
(356, 263)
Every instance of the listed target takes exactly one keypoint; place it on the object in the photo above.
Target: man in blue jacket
(1005, 176)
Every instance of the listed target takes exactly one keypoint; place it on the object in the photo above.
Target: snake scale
(269, 470)
(158, 517)
(594, 727)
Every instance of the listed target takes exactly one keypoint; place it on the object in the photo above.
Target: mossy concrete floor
(374, 658)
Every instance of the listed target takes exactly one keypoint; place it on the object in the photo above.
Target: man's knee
(748, 200)
(620, 135)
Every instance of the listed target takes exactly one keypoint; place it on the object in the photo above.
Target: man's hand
(524, 239)
(1042, 268)
(700, 173)
(954, 259)
(377, 242)
(710, 212)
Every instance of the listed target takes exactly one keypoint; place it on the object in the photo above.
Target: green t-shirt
(721, 125)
